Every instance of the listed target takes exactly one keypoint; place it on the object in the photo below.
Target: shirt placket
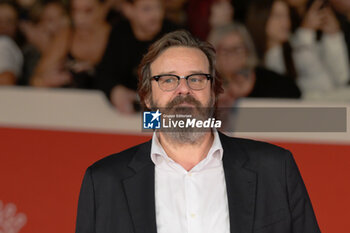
(192, 198)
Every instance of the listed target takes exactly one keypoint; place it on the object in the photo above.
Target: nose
(183, 87)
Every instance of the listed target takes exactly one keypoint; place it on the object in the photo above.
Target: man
(189, 180)
(118, 71)
(8, 19)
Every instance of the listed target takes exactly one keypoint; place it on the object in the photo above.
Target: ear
(148, 101)
(127, 9)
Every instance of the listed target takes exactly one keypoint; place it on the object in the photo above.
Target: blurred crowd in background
(265, 48)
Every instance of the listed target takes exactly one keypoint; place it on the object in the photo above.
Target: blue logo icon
(151, 120)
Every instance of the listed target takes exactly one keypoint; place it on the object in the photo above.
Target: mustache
(183, 99)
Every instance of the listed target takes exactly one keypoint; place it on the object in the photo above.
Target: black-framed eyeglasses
(169, 82)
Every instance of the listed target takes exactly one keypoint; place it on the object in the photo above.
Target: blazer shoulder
(117, 162)
(257, 151)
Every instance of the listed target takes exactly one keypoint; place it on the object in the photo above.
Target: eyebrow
(191, 72)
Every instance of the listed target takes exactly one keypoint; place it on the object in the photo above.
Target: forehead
(181, 60)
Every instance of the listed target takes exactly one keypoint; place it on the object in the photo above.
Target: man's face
(147, 15)
(8, 20)
(181, 61)
(231, 54)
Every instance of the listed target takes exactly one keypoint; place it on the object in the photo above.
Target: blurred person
(343, 9)
(8, 19)
(11, 60)
(300, 55)
(131, 38)
(53, 18)
(11, 57)
(237, 64)
(316, 20)
(75, 53)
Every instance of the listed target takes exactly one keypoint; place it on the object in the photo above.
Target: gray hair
(174, 39)
(217, 34)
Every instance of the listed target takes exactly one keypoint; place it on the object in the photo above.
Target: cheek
(160, 98)
(207, 96)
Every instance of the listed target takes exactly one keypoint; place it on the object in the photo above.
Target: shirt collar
(158, 153)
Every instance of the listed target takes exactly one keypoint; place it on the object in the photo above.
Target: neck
(187, 155)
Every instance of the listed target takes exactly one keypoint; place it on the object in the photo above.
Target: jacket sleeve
(86, 206)
(303, 216)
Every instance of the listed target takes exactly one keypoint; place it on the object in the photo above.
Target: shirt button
(193, 215)
(189, 174)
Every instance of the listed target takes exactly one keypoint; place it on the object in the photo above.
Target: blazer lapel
(240, 185)
(139, 190)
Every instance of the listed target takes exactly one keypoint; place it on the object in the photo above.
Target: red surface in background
(41, 172)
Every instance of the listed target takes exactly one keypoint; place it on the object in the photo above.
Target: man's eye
(196, 79)
(169, 80)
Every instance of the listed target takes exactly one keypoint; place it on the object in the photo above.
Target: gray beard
(181, 136)
(185, 137)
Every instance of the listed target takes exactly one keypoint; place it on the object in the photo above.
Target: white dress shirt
(192, 201)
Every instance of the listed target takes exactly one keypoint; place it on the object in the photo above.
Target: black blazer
(265, 191)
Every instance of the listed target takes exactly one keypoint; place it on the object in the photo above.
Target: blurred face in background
(53, 17)
(8, 20)
(278, 24)
(146, 15)
(232, 64)
(231, 54)
(86, 13)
